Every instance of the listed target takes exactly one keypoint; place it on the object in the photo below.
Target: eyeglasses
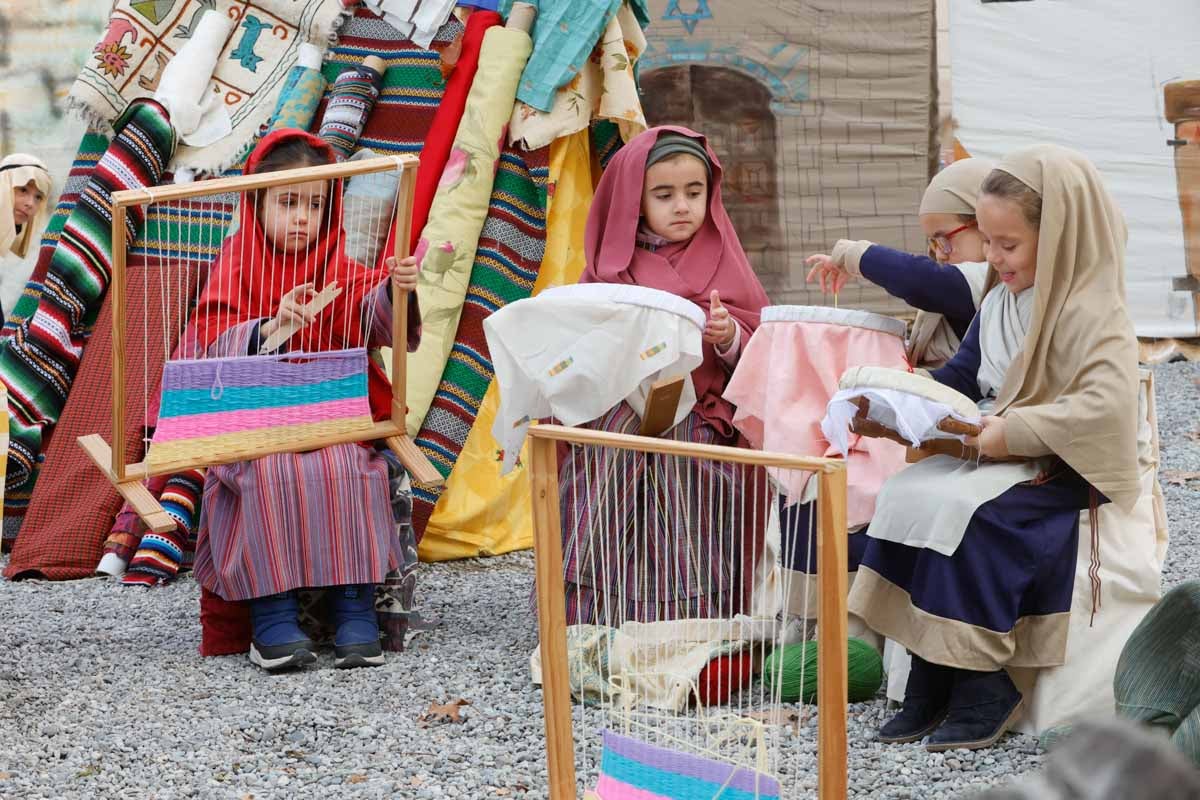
(941, 243)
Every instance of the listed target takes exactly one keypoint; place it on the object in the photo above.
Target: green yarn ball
(864, 671)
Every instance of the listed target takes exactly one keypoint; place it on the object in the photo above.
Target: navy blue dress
(926, 285)
(1004, 595)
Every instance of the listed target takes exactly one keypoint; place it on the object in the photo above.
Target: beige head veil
(955, 190)
(1073, 387)
(16, 170)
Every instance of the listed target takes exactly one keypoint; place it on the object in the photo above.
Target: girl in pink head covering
(657, 221)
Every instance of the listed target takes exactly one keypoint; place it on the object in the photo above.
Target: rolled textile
(479, 511)
(39, 362)
(301, 93)
(446, 120)
(446, 249)
(418, 20)
(198, 114)
(605, 87)
(351, 101)
(507, 262)
(91, 148)
(72, 507)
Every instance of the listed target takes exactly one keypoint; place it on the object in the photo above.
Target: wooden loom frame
(832, 582)
(127, 478)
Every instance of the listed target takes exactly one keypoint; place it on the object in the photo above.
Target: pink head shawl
(712, 259)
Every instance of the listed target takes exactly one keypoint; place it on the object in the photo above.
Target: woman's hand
(404, 273)
(720, 328)
(293, 311)
(833, 276)
(991, 442)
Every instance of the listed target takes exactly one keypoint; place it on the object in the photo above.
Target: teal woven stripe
(186, 402)
(669, 784)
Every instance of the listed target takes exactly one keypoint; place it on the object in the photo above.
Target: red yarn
(722, 675)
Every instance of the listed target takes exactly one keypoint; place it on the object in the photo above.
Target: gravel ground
(103, 693)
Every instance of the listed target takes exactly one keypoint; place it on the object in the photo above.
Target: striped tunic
(648, 542)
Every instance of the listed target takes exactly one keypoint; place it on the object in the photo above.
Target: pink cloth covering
(712, 259)
(787, 374)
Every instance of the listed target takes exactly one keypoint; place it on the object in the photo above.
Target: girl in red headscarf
(324, 518)
(657, 221)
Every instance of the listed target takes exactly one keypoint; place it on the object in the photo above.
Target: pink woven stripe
(609, 788)
(195, 426)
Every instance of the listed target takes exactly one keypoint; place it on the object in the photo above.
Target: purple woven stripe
(282, 370)
(691, 766)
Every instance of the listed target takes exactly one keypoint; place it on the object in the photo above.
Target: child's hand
(720, 328)
(833, 276)
(404, 273)
(991, 442)
(293, 310)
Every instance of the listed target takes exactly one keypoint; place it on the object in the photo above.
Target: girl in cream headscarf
(946, 291)
(24, 190)
(971, 565)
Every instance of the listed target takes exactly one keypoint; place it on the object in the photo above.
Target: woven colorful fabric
(156, 558)
(179, 238)
(445, 122)
(351, 100)
(42, 355)
(480, 511)
(261, 398)
(448, 244)
(143, 35)
(412, 85)
(91, 148)
(633, 770)
(506, 265)
(72, 507)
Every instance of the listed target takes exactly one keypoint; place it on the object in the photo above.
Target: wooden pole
(116, 288)
(670, 447)
(552, 618)
(261, 180)
(832, 634)
(404, 208)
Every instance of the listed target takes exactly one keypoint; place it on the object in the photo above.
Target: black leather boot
(926, 698)
(983, 706)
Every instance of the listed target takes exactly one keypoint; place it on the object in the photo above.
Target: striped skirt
(649, 539)
(297, 520)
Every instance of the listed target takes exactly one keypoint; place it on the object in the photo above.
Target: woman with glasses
(946, 291)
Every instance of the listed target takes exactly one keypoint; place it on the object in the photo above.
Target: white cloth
(913, 417)
(930, 504)
(197, 113)
(905, 402)
(419, 20)
(1003, 322)
(575, 352)
(657, 664)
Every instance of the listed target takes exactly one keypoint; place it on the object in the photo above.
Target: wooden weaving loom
(128, 478)
(570, 744)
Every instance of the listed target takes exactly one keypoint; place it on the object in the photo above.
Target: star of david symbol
(689, 20)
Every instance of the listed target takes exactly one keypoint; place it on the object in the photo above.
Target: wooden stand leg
(134, 492)
(420, 469)
(552, 618)
(832, 688)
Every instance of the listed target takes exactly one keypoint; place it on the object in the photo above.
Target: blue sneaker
(356, 643)
(278, 642)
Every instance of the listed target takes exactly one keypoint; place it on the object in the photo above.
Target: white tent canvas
(1089, 74)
